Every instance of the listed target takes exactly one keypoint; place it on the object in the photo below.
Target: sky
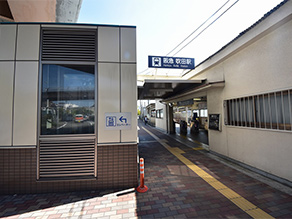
(164, 24)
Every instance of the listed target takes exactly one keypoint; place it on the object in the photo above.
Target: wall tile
(28, 38)
(25, 103)
(7, 42)
(129, 99)
(6, 98)
(108, 99)
(108, 44)
(128, 45)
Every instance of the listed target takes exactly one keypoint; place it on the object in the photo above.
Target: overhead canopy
(189, 94)
(162, 89)
(66, 11)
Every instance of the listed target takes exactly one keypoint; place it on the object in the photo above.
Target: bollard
(142, 188)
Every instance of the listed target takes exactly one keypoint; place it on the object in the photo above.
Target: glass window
(159, 114)
(269, 111)
(203, 113)
(152, 113)
(67, 99)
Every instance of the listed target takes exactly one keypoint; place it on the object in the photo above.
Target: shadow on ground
(12, 205)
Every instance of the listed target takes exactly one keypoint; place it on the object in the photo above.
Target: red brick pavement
(174, 192)
(197, 198)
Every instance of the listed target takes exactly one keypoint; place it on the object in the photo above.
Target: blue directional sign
(122, 119)
(171, 62)
(118, 121)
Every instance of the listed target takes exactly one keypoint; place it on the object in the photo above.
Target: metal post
(142, 188)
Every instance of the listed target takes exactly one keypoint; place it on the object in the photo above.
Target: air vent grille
(61, 159)
(68, 44)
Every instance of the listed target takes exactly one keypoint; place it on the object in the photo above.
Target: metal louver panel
(66, 158)
(68, 44)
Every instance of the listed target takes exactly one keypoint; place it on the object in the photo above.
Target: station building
(246, 88)
(68, 107)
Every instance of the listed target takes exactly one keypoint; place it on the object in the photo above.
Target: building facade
(248, 88)
(68, 107)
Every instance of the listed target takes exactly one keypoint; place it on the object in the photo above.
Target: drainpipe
(171, 122)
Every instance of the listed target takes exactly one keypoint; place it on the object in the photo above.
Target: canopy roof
(162, 89)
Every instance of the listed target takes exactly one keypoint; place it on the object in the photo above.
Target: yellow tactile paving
(258, 213)
(199, 148)
(178, 150)
(208, 178)
(243, 204)
(238, 200)
(228, 193)
(217, 185)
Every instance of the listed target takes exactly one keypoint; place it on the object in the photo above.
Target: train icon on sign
(156, 61)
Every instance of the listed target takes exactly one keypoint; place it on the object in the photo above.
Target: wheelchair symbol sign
(111, 121)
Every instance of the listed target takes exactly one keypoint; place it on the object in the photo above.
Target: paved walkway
(183, 183)
(201, 136)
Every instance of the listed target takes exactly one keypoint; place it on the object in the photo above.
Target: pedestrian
(145, 120)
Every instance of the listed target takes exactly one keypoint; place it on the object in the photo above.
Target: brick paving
(174, 192)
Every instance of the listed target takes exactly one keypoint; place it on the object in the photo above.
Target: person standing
(145, 120)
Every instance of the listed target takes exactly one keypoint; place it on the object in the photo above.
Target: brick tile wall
(116, 168)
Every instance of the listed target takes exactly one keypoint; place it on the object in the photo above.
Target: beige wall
(108, 99)
(263, 64)
(7, 42)
(160, 123)
(217, 140)
(19, 82)
(25, 103)
(117, 81)
(6, 87)
(129, 100)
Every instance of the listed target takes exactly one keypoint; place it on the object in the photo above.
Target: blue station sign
(171, 62)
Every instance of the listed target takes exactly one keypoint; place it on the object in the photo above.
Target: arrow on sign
(123, 119)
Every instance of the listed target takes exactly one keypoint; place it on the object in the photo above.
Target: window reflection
(67, 99)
